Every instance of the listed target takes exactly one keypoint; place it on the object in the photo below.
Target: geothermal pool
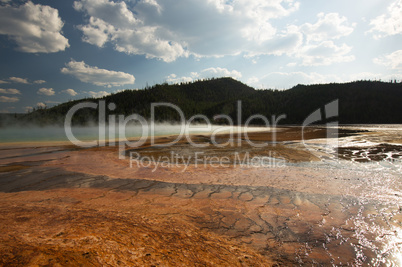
(109, 133)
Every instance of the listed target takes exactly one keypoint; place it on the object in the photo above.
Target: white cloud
(388, 24)
(18, 80)
(41, 105)
(328, 26)
(319, 47)
(22, 80)
(39, 81)
(171, 29)
(94, 75)
(2, 82)
(392, 61)
(114, 22)
(153, 4)
(46, 91)
(325, 53)
(35, 28)
(286, 42)
(71, 92)
(98, 94)
(7, 99)
(203, 74)
(10, 91)
(96, 32)
(259, 29)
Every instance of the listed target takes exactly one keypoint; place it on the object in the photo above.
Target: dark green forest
(360, 102)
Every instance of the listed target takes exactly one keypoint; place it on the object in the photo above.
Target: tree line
(360, 102)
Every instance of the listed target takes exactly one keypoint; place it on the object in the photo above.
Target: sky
(55, 51)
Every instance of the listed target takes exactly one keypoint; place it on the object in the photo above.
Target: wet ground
(66, 206)
(381, 152)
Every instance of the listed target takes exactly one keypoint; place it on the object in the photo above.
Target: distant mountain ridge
(359, 102)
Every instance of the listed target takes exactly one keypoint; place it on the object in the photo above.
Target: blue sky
(54, 51)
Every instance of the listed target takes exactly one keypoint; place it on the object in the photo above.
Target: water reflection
(375, 160)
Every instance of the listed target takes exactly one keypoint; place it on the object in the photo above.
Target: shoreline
(255, 131)
(234, 129)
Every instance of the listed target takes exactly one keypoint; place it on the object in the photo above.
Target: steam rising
(111, 132)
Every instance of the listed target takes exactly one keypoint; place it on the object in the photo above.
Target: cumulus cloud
(71, 92)
(257, 14)
(18, 80)
(287, 42)
(392, 61)
(46, 91)
(325, 53)
(314, 44)
(10, 91)
(319, 48)
(203, 74)
(35, 28)
(6, 99)
(94, 75)
(98, 94)
(22, 80)
(41, 105)
(170, 29)
(328, 26)
(388, 24)
(113, 22)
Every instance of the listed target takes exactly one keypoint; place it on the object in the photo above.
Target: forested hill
(359, 102)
